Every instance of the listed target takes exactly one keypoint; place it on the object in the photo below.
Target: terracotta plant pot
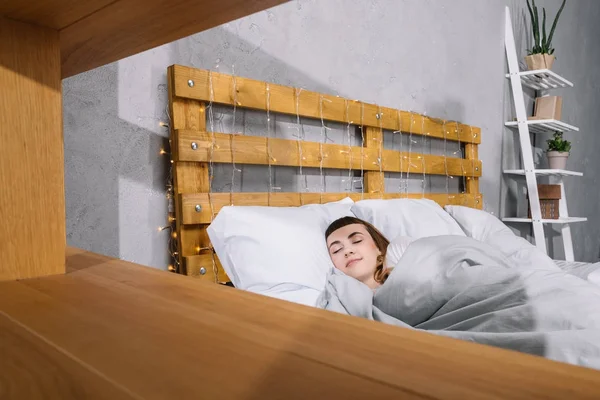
(539, 61)
(557, 159)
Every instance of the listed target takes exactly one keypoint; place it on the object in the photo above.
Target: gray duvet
(459, 287)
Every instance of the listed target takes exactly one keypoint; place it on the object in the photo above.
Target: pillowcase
(396, 249)
(415, 218)
(487, 228)
(277, 251)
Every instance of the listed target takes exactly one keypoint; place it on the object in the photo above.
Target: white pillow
(487, 228)
(407, 217)
(277, 251)
(396, 249)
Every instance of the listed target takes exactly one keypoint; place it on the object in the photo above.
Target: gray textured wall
(442, 58)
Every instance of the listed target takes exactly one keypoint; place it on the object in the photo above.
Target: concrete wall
(442, 58)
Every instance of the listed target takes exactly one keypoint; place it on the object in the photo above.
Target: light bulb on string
(231, 136)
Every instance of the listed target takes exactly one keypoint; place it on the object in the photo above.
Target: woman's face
(353, 251)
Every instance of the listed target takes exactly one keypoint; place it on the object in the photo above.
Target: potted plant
(541, 55)
(558, 151)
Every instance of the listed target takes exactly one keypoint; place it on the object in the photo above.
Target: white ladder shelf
(540, 80)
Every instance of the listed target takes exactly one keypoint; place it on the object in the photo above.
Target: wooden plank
(375, 179)
(284, 99)
(32, 195)
(216, 201)
(284, 152)
(126, 27)
(472, 154)
(203, 266)
(188, 177)
(128, 322)
(55, 14)
(40, 371)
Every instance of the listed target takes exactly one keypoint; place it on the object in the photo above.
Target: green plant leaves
(557, 143)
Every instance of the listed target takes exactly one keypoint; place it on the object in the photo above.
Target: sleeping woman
(360, 250)
(463, 288)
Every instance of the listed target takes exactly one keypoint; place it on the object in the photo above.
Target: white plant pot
(557, 159)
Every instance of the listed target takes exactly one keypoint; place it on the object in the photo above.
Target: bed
(471, 277)
(196, 150)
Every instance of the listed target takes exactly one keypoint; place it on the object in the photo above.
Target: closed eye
(337, 251)
(358, 241)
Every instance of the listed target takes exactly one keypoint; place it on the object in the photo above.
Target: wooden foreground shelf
(112, 329)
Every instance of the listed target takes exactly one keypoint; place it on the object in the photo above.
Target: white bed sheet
(588, 271)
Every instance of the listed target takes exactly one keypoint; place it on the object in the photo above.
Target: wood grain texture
(211, 203)
(188, 177)
(127, 27)
(38, 369)
(32, 197)
(55, 14)
(288, 100)
(375, 178)
(140, 328)
(472, 154)
(285, 152)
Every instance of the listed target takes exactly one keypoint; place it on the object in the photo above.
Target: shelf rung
(543, 79)
(544, 172)
(567, 220)
(544, 126)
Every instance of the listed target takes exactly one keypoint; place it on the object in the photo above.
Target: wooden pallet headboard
(193, 149)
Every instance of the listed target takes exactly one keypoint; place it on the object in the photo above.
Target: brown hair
(381, 273)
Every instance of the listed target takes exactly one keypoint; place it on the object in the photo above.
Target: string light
(472, 157)
(399, 131)
(172, 243)
(460, 150)
(348, 127)
(269, 156)
(234, 168)
(446, 161)
(380, 155)
(410, 142)
(299, 138)
(324, 138)
(362, 150)
(211, 121)
(423, 165)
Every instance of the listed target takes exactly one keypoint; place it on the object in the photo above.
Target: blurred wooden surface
(98, 32)
(32, 196)
(112, 329)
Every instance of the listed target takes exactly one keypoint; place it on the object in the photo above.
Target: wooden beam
(472, 154)
(288, 100)
(374, 180)
(211, 203)
(197, 146)
(126, 27)
(32, 195)
(188, 177)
